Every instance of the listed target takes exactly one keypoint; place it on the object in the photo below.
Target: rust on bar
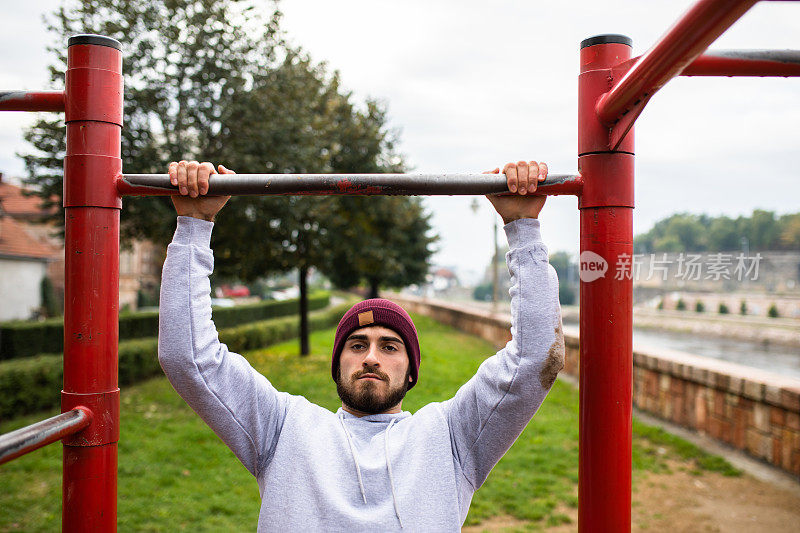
(348, 184)
(33, 437)
(32, 101)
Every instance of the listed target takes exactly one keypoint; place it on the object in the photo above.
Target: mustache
(382, 375)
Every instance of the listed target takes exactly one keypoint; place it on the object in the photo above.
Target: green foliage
(566, 294)
(383, 241)
(49, 304)
(772, 312)
(681, 305)
(699, 306)
(723, 309)
(646, 455)
(30, 384)
(24, 339)
(743, 308)
(147, 297)
(225, 317)
(660, 305)
(183, 62)
(483, 292)
(260, 334)
(213, 80)
(685, 232)
(34, 383)
(561, 262)
(566, 289)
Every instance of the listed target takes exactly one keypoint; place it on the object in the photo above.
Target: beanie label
(365, 318)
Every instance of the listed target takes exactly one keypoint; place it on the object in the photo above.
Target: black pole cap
(89, 38)
(607, 38)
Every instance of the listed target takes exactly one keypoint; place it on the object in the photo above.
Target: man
(370, 466)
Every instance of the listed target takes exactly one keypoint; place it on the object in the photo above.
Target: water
(775, 358)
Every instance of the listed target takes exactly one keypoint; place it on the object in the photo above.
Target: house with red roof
(31, 249)
(28, 250)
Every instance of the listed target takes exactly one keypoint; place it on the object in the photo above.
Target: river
(775, 358)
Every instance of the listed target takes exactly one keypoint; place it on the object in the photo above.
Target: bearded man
(370, 466)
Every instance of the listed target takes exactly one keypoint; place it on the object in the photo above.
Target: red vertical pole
(93, 108)
(606, 360)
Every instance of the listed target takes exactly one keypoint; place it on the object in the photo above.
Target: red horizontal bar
(777, 63)
(33, 437)
(681, 45)
(32, 101)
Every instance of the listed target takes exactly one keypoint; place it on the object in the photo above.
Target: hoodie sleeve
(237, 402)
(489, 412)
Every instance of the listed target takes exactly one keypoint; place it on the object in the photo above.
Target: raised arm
(237, 402)
(489, 412)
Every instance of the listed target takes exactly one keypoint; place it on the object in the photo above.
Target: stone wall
(752, 410)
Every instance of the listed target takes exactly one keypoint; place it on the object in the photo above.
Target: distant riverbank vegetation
(686, 232)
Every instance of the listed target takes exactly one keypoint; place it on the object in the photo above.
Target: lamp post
(495, 277)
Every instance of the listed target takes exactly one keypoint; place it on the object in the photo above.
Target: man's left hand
(522, 178)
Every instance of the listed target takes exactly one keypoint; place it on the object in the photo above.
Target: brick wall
(753, 410)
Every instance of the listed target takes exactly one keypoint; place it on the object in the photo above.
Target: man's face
(374, 372)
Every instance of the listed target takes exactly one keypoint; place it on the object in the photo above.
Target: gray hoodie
(324, 471)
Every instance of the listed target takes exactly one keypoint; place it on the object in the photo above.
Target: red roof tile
(14, 203)
(16, 241)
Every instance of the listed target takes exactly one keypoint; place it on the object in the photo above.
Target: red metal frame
(32, 101)
(684, 41)
(606, 345)
(613, 90)
(30, 438)
(91, 300)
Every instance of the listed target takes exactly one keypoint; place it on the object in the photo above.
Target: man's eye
(390, 347)
(356, 346)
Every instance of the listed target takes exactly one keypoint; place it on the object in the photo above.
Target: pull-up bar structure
(613, 90)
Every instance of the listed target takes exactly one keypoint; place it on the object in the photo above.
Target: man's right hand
(192, 180)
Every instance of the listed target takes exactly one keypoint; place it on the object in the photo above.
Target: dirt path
(682, 502)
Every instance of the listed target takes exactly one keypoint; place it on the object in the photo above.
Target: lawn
(175, 474)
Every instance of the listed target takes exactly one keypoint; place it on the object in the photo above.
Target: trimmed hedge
(34, 383)
(25, 339)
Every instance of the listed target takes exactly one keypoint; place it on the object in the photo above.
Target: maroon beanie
(378, 312)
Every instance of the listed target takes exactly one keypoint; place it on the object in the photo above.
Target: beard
(366, 396)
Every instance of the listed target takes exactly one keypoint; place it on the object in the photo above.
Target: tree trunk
(304, 347)
(373, 289)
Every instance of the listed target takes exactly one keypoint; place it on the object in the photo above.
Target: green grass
(175, 474)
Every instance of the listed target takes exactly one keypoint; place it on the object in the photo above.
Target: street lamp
(495, 284)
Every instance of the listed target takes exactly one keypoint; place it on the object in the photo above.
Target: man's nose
(371, 357)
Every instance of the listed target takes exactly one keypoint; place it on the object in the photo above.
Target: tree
(763, 230)
(790, 232)
(723, 234)
(314, 127)
(382, 241)
(213, 79)
(683, 232)
(183, 61)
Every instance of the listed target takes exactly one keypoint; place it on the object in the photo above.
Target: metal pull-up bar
(348, 184)
(612, 91)
(33, 437)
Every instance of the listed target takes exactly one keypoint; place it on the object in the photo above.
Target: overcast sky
(472, 85)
